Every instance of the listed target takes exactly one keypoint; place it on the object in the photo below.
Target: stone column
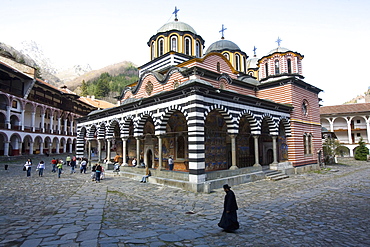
(256, 152)
(57, 148)
(108, 149)
(33, 121)
(89, 150)
(7, 118)
(59, 125)
(233, 152)
(99, 149)
(22, 120)
(65, 127)
(43, 123)
(274, 149)
(71, 128)
(160, 152)
(50, 147)
(368, 129)
(31, 148)
(65, 147)
(6, 148)
(349, 131)
(20, 147)
(51, 124)
(138, 150)
(41, 147)
(124, 153)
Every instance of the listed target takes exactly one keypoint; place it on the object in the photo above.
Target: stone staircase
(274, 175)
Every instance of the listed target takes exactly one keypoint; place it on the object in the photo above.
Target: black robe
(229, 221)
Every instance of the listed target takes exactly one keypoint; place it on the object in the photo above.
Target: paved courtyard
(330, 208)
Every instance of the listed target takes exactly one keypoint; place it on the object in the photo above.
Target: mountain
(113, 70)
(73, 73)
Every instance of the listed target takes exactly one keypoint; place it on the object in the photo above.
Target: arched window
(160, 47)
(218, 67)
(187, 46)
(226, 55)
(237, 62)
(277, 69)
(197, 49)
(245, 64)
(307, 143)
(174, 43)
(267, 69)
(153, 50)
(305, 108)
(289, 65)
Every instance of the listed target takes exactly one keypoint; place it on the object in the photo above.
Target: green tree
(84, 89)
(361, 151)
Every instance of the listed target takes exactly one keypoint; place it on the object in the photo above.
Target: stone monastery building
(220, 114)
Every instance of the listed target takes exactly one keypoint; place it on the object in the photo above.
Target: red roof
(346, 108)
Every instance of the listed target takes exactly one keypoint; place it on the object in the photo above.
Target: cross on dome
(222, 31)
(254, 50)
(175, 12)
(278, 41)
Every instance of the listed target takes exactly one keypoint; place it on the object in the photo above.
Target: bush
(361, 151)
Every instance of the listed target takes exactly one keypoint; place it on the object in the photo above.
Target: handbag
(24, 168)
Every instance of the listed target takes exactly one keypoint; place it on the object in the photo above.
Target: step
(275, 175)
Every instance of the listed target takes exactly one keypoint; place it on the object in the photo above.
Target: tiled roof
(346, 108)
(100, 104)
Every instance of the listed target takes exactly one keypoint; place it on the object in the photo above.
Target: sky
(333, 36)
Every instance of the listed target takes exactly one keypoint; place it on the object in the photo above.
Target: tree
(361, 151)
(84, 91)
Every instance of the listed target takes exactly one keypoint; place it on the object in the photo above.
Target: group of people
(97, 173)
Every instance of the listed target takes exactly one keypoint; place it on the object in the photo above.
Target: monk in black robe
(229, 220)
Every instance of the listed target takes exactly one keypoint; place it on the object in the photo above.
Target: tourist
(229, 220)
(41, 167)
(73, 164)
(68, 160)
(116, 158)
(170, 163)
(54, 164)
(98, 172)
(146, 176)
(134, 162)
(60, 167)
(93, 172)
(28, 166)
(83, 166)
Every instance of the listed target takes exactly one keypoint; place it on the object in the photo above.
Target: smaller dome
(248, 79)
(222, 45)
(279, 49)
(252, 63)
(176, 25)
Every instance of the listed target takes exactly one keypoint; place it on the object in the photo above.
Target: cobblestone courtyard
(327, 208)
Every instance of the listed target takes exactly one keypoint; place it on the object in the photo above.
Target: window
(267, 69)
(277, 69)
(198, 52)
(307, 143)
(237, 62)
(245, 64)
(305, 108)
(14, 104)
(358, 134)
(187, 46)
(226, 55)
(289, 65)
(160, 48)
(358, 121)
(218, 67)
(174, 43)
(153, 49)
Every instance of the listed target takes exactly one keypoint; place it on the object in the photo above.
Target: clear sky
(333, 36)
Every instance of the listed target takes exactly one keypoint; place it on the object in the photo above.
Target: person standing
(83, 166)
(28, 166)
(134, 162)
(229, 220)
(68, 160)
(73, 164)
(93, 172)
(170, 163)
(41, 167)
(60, 167)
(98, 172)
(54, 164)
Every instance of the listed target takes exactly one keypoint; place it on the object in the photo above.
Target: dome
(252, 63)
(176, 25)
(279, 49)
(222, 45)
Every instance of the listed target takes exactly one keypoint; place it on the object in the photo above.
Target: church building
(221, 115)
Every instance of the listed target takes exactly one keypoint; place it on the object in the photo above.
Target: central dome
(176, 25)
(279, 49)
(222, 45)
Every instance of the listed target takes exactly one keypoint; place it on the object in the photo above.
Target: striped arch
(125, 125)
(273, 128)
(91, 132)
(80, 143)
(255, 129)
(101, 131)
(161, 123)
(140, 123)
(286, 123)
(232, 127)
(110, 129)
